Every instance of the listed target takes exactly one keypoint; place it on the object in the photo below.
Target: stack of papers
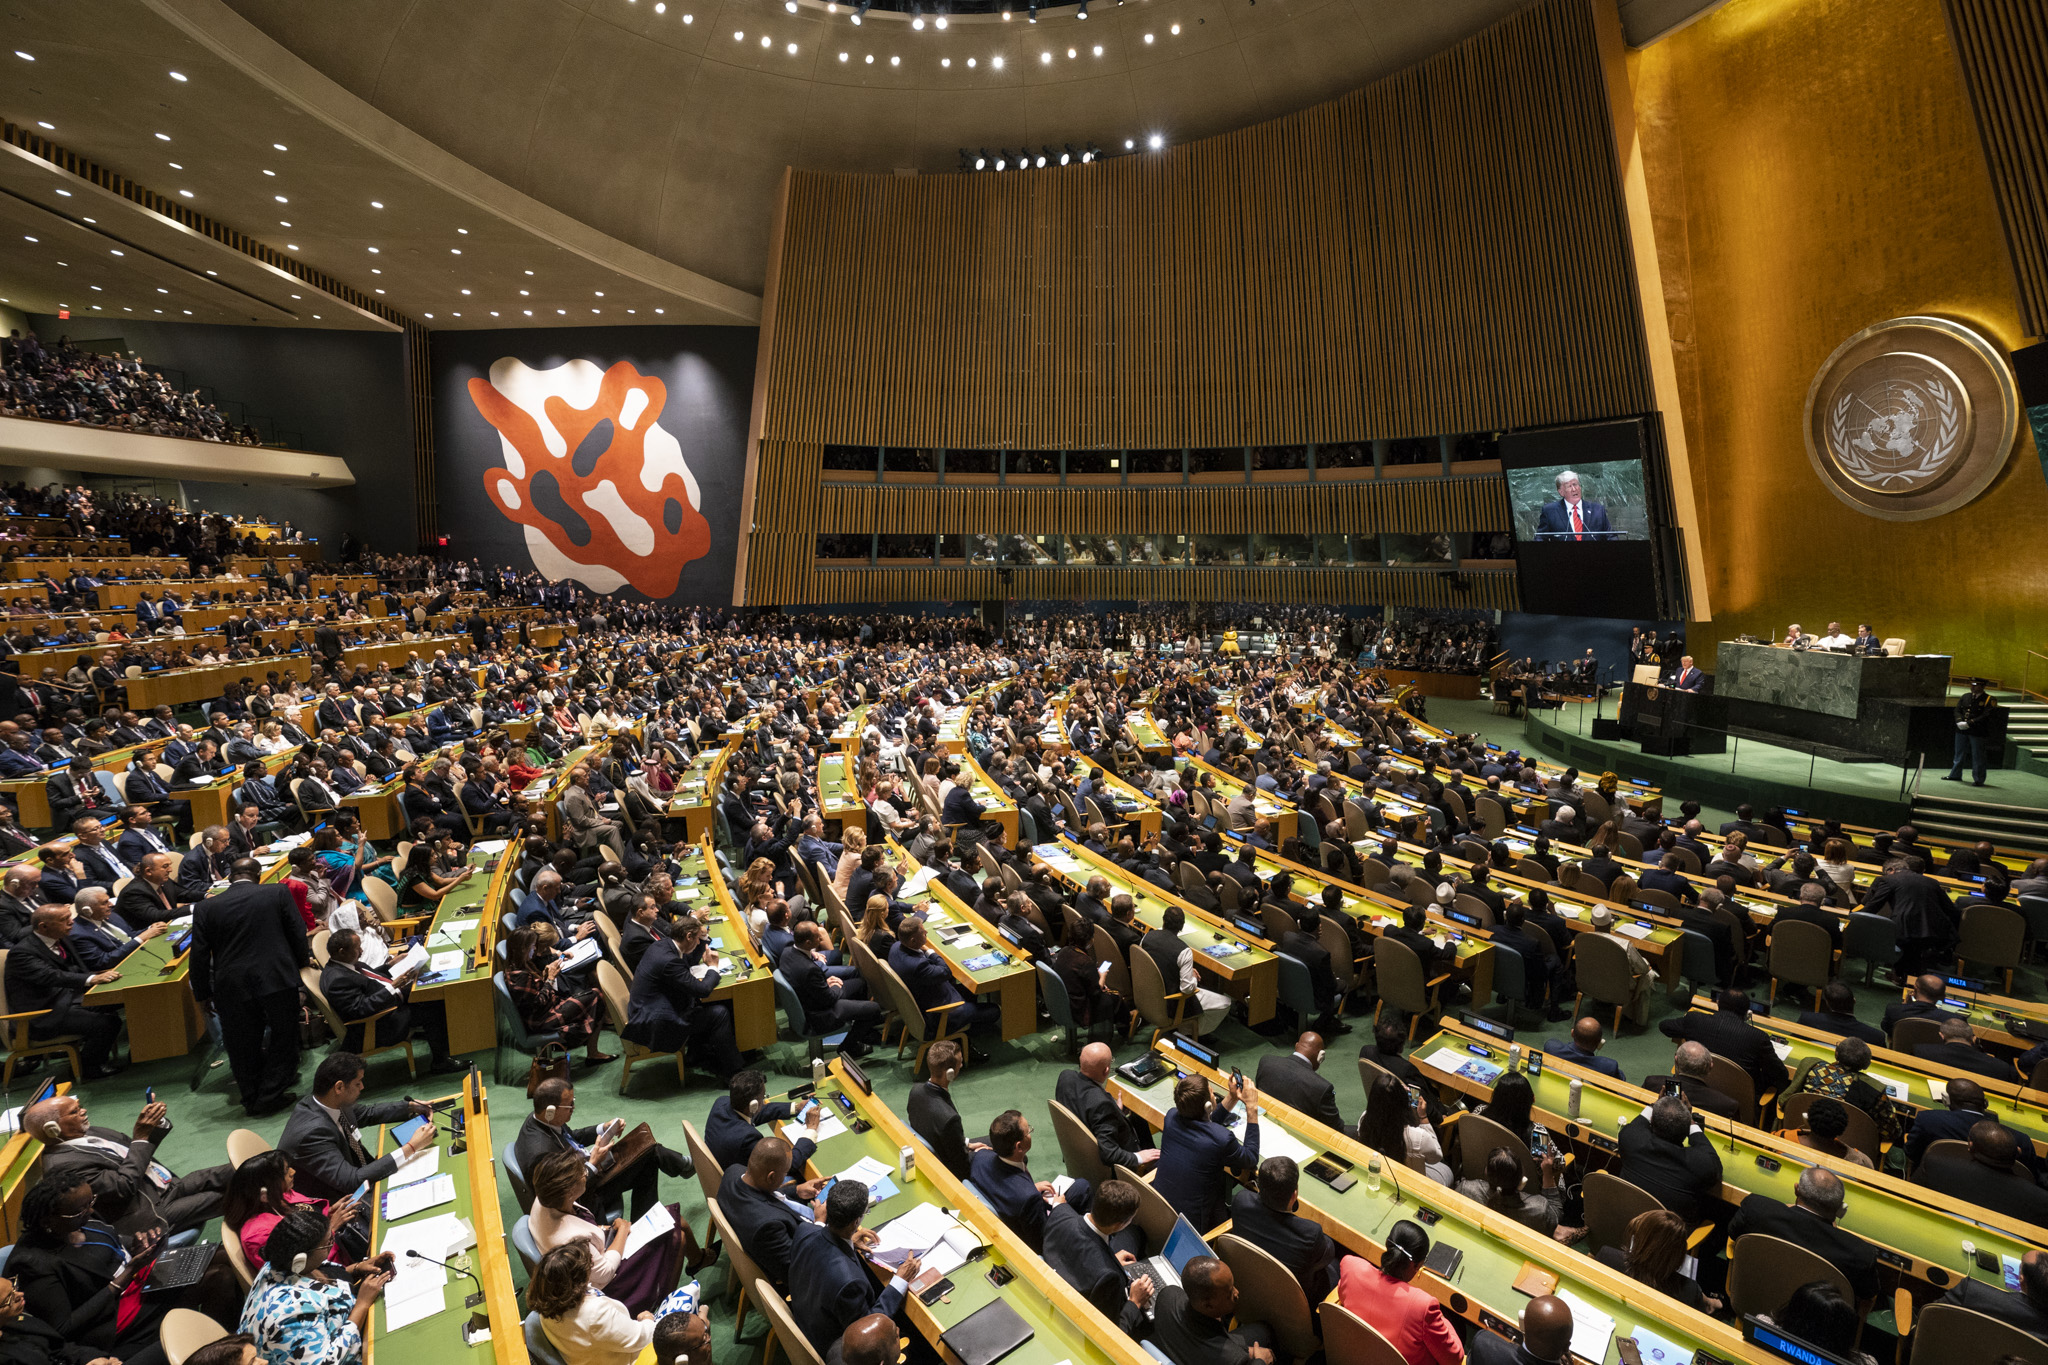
(929, 1233)
(831, 1127)
(915, 883)
(1277, 1141)
(657, 1222)
(1591, 1328)
(419, 1196)
(416, 1167)
(492, 847)
(1631, 931)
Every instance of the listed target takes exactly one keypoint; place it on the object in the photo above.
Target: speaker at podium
(1667, 721)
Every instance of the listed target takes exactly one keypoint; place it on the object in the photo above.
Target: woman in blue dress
(303, 1311)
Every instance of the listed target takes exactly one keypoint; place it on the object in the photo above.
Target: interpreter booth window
(1344, 455)
(1095, 466)
(953, 550)
(903, 549)
(1154, 464)
(1032, 466)
(1155, 550)
(851, 459)
(1219, 550)
(1497, 547)
(909, 460)
(983, 551)
(971, 466)
(1094, 550)
(1438, 548)
(1222, 463)
(1031, 550)
(1281, 552)
(844, 551)
(1477, 447)
(1333, 552)
(1266, 459)
(1414, 451)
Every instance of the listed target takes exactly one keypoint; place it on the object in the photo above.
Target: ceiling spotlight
(917, 16)
(160, 137)
(1128, 144)
(1002, 163)
(375, 205)
(767, 41)
(981, 158)
(1091, 152)
(842, 56)
(792, 49)
(23, 55)
(1066, 153)
(1041, 158)
(50, 126)
(1148, 39)
(178, 76)
(1098, 49)
(1031, 11)
(65, 193)
(373, 251)
(1175, 30)
(1083, 12)
(895, 61)
(279, 145)
(939, 22)
(789, 5)
(280, 199)
(1156, 142)
(860, 7)
(996, 62)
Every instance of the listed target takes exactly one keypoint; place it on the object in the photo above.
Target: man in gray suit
(324, 1142)
(580, 815)
(131, 1188)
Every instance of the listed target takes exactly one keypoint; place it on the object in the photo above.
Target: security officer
(1973, 731)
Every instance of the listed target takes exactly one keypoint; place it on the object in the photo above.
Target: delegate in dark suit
(1845, 1251)
(669, 1011)
(1014, 1195)
(838, 1290)
(358, 994)
(765, 1222)
(2026, 1310)
(609, 1186)
(41, 975)
(731, 1138)
(1684, 1176)
(1084, 1259)
(331, 1160)
(248, 946)
(1965, 1057)
(1935, 1125)
(1298, 1243)
(1292, 1081)
(2011, 1192)
(130, 1187)
(1089, 1101)
(933, 1118)
(1843, 1026)
(1194, 1157)
(1556, 516)
(1728, 1033)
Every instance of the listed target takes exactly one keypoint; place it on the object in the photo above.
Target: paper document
(1631, 931)
(1277, 1141)
(416, 1279)
(585, 950)
(1783, 1049)
(419, 1196)
(1591, 1328)
(491, 846)
(929, 1233)
(401, 1313)
(415, 957)
(656, 1223)
(442, 1236)
(830, 1128)
(450, 961)
(915, 883)
(414, 1168)
(456, 928)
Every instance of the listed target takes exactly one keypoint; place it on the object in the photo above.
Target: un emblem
(1912, 418)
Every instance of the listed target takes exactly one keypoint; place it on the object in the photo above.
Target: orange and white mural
(599, 487)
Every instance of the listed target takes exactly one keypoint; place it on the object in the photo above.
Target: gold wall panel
(1815, 169)
(2003, 49)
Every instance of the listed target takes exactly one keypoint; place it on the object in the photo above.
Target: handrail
(2027, 687)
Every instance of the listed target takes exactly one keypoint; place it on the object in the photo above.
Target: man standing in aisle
(248, 947)
(1973, 732)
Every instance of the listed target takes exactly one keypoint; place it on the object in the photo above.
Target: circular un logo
(1912, 418)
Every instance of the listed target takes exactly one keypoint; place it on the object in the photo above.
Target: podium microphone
(474, 1299)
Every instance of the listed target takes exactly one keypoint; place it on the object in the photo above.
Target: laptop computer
(1183, 1244)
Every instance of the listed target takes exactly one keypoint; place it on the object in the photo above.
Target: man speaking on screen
(1570, 517)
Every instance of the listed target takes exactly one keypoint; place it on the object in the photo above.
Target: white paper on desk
(830, 1128)
(1631, 931)
(914, 883)
(415, 957)
(1783, 1049)
(1060, 1185)
(414, 1280)
(656, 1223)
(687, 893)
(580, 952)
(1938, 1088)
(1443, 1059)
(1277, 1141)
(415, 1168)
(494, 845)
(442, 1236)
(867, 1170)
(419, 1196)
(448, 961)
(1592, 1329)
(456, 928)
(399, 1313)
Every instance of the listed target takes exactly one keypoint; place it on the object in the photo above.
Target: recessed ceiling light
(214, 273)
(1071, 54)
(95, 221)
(375, 205)
(295, 296)
(945, 61)
(156, 310)
(430, 315)
(529, 272)
(31, 239)
(842, 56)
(595, 310)
(463, 231)
(792, 49)
(23, 55)
(373, 251)
(1045, 59)
(523, 294)
(918, 23)
(316, 317)
(563, 311)
(380, 291)
(184, 194)
(940, 22)
(527, 311)
(267, 171)
(278, 145)
(1098, 49)
(458, 315)
(117, 253)
(661, 310)
(895, 61)
(1148, 37)
(465, 291)
(96, 289)
(738, 34)
(766, 41)
(174, 165)
(282, 223)
(970, 61)
(1176, 30)
(65, 193)
(161, 290)
(1157, 142)
(291, 246)
(598, 292)
(632, 310)
(188, 312)
(689, 18)
(869, 59)
(160, 137)
(280, 199)
(178, 76)
(454, 251)
(657, 10)
(1129, 143)
(51, 126)
(375, 271)
(996, 62)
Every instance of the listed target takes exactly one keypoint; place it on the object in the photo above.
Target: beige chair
(1604, 975)
(1738, 1085)
(383, 898)
(1946, 1333)
(244, 1143)
(1369, 1073)
(1908, 1034)
(1478, 1135)
(1079, 1146)
(744, 1271)
(1155, 1216)
(1955, 1148)
(1612, 1203)
(231, 1244)
(1763, 1271)
(709, 1173)
(1166, 1013)
(184, 1331)
(319, 945)
(1337, 944)
(1269, 1293)
(1402, 983)
(1862, 1132)
(917, 1024)
(612, 987)
(1352, 1340)
(309, 977)
(785, 1333)
(1104, 949)
(1802, 954)
(1992, 936)
(20, 1045)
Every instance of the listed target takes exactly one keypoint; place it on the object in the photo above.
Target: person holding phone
(357, 993)
(299, 1309)
(261, 1194)
(133, 1190)
(1197, 1153)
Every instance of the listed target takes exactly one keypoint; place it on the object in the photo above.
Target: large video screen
(1582, 519)
(1580, 502)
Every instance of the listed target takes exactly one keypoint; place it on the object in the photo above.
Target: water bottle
(1572, 1105)
(1372, 1174)
(818, 1071)
(1514, 1056)
(906, 1163)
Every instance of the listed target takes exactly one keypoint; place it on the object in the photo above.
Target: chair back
(1105, 950)
(709, 1173)
(1052, 992)
(616, 995)
(1763, 1271)
(1269, 1293)
(1297, 991)
(1478, 1135)
(1337, 944)
(383, 897)
(1908, 1034)
(1801, 953)
(525, 1245)
(1737, 1084)
(318, 943)
(1155, 1216)
(309, 977)
(1945, 1332)
(1369, 1073)
(782, 1322)
(1956, 1148)
(1278, 920)
(898, 997)
(1603, 969)
(184, 1331)
(791, 1004)
(1611, 1203)
(1353, 1340)
(1991, 935)
(1663, 900)
(538, 1348)
(522, 1193)
(1399, 973)
(1862, 1132)
(1149, 993)
(244, 1143)
(744, 1267)
(1078, 1146)
(1873, 938)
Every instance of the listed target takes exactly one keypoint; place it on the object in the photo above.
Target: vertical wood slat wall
(2002, 46)
(1444, 251)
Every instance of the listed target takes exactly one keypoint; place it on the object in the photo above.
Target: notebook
(987, 1334)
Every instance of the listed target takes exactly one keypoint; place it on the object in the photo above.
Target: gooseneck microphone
(474, 1299)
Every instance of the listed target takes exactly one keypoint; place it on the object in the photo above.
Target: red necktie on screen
(1578, 526)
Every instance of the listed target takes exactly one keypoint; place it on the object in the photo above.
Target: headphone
(299, 1264)
(51, 1131)
(548, 1113)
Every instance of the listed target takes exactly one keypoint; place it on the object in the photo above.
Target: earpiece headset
(548, 1113)
(51, 1131)
(299, 1264)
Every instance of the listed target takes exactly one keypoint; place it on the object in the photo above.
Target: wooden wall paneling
(2002, 46)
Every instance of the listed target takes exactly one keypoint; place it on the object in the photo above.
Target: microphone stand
(474, 1299)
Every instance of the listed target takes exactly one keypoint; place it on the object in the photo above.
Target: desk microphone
(474, 1299)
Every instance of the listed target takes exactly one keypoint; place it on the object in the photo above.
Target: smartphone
(149, 1094)
(1626, 1348)
(935, 1292)
(1535, 1063)
(1236, 1079)
(362, 1190)
(844, 1103)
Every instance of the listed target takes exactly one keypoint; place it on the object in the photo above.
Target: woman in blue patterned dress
(297, 1312)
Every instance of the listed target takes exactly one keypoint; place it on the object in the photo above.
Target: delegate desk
(187, 686)
(837, 799)
(994, 804)
(1993, 1016)
(1498, 1250)
(1913, 1084)
(1265, 806)
(1917, 1232)
(694, 800)
(210, 799)
(1066, 1329)
(466, 922)
(1126, 802)
(438, 1336)
(964, 938)
(1248, 967)
(749, 978)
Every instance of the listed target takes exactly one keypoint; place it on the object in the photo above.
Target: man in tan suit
(580, 815)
